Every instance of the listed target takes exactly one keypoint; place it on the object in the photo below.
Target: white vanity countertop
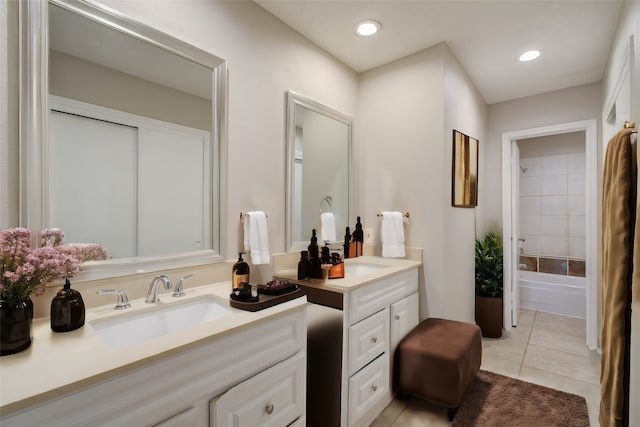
(58, 363)
(387, 266)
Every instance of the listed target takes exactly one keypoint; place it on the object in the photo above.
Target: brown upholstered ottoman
(438, 361)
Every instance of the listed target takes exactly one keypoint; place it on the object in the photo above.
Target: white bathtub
(553, 293)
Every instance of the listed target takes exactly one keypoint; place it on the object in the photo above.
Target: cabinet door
(404, 317)
(273, 398)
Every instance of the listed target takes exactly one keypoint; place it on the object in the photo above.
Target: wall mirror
(318, 169)
(121, 134)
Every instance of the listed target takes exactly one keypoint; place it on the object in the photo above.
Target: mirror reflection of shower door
(515, 247)
(92, 196)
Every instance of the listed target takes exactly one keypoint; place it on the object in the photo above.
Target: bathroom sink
(125, 330)
(360, 269)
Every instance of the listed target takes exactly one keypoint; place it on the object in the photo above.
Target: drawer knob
(269, 409)
(374, 388)
(397, 317)
(374, 340)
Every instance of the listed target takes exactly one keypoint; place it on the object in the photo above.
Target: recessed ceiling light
(529, 55)
(367, 28)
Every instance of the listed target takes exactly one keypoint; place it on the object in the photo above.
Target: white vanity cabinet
(377, 316)
(355, 325)
(262, 367)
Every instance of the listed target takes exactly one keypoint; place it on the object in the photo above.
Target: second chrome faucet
(152, 295)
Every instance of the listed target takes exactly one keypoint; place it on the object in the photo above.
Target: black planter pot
(15, 325)
(489, 316)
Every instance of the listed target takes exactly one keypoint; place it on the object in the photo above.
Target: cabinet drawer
(368, 339)
(188, 417)
(368, 388)
(273, 398)
(369, 299)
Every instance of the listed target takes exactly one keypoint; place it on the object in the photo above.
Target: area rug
(496, 400)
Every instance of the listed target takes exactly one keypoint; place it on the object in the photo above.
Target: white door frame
(592, 210)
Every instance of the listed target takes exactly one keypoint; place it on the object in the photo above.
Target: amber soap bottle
(239, 273)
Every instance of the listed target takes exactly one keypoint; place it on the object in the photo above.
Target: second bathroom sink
(360, 269)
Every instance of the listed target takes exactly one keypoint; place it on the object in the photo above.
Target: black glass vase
(15, 325)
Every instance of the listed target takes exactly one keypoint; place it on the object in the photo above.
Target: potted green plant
(489, 284)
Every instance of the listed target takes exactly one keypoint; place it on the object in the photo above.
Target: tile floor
(545, 349)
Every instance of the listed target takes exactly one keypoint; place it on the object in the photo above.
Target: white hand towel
(256, 240)
(328, 229)
(392, 235)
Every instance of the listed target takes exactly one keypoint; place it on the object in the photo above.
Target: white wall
(562, 106)
(465, 111)
(406, 112)
(628, 26)
(400, 148)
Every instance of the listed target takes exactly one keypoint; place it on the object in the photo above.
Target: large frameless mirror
(121, 133)
(318, 170)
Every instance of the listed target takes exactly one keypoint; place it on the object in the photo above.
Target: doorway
(510, 174)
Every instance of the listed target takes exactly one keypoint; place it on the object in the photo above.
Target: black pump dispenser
(67, 309)
(347, 240)
(326, 256)
(314, 257)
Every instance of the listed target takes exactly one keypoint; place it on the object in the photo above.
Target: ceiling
(487, 37)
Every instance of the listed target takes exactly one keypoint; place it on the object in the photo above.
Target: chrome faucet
(152, 295)
(123, 301)
(178, 291)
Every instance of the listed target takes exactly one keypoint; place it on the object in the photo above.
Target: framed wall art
(464, 184)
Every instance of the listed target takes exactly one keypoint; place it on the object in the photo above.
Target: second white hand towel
(328, 229)
(256, 240)
(392, 235)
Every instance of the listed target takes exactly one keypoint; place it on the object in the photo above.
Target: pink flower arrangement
(24, 271)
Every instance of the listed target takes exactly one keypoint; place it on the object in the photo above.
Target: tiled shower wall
(552, 213)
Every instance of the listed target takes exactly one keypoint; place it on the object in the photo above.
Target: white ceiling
(486, 36)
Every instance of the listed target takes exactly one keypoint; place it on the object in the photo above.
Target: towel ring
(326, 201)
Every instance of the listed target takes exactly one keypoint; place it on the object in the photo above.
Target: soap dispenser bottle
(357, 240)
(347, 241)
(239, 273)
(304, 266)
(314, 257)
(67, 310)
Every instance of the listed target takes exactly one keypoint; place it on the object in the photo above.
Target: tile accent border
(552, 265)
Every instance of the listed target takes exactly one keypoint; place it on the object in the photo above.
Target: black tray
(292, 287)
(264, 301)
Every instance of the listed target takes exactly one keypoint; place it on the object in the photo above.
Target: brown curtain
(618, 235)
